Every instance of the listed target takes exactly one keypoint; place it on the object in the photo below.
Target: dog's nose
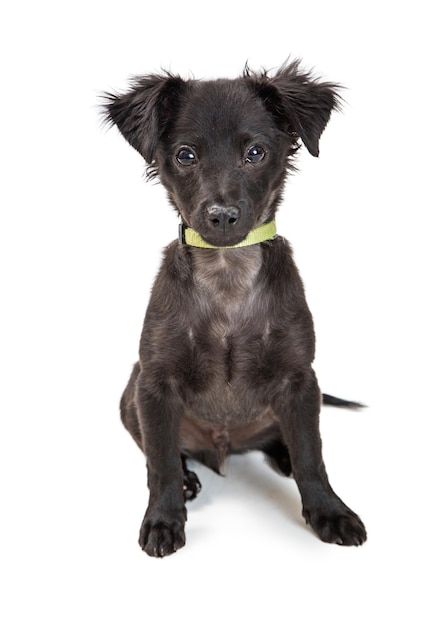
(223, 217)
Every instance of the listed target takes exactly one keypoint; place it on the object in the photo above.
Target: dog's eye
(254, 154)
(185, 156)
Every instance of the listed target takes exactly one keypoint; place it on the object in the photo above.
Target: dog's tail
(339, 402)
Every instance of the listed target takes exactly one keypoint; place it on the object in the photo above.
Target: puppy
(227, 345)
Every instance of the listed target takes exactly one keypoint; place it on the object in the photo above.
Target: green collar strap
(261, 233)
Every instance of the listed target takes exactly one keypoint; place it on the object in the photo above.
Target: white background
(81, 238)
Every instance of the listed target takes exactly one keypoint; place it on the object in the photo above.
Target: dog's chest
(228, 336)
(228, 296)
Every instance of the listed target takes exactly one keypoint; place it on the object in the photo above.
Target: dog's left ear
(301, 104)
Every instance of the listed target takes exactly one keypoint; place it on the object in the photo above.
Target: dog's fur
(228, 341)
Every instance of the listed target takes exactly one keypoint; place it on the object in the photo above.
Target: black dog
(228, 342)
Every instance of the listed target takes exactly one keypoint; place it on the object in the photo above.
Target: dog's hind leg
(278, 456)
(191, 483)
(128, 408)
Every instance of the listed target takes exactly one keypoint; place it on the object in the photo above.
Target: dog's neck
(227, 275)
(190, 237)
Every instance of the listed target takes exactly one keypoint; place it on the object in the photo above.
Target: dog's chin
(223, 240)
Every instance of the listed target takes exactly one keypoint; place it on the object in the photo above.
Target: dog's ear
(301, 104)
(142, 113)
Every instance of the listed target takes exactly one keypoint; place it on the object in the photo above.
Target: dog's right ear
(142, 113)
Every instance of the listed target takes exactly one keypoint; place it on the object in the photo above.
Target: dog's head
(222, 148)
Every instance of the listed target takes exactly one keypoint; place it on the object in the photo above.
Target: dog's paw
(344, 528)
(161, 538)
(191, 485)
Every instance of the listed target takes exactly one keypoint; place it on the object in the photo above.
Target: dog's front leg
(298, 408)
(162, 531)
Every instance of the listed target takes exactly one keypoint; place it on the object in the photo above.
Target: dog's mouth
(223, 240)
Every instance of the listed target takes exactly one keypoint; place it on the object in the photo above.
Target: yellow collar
(191, 237)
